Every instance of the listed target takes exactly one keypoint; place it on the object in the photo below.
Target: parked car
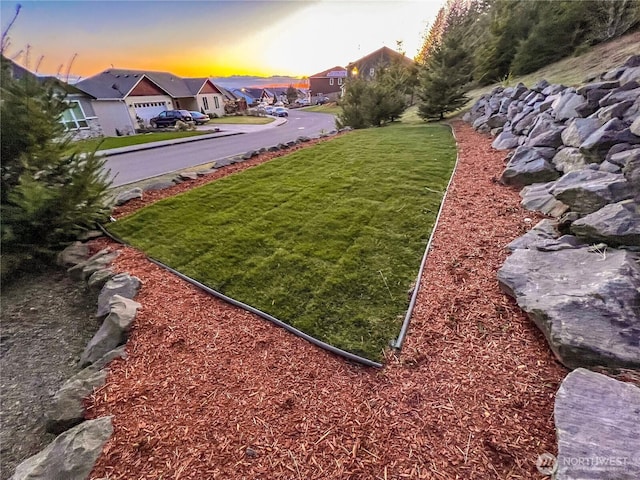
(322, 100)
(280, 112)
(168, 118)
(269, 109)
(303, 101)
(199, 118)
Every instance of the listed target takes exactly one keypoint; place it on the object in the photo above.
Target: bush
(184, 126)
(49, 196)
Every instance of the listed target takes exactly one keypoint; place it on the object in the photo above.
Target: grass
(241, 119)
(107, 143)
(328, 239)
(331, 108)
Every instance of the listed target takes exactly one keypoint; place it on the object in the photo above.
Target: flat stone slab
(585, 301)
(597, 424)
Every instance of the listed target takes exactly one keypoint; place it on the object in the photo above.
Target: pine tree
(443, 79)
(50, 193)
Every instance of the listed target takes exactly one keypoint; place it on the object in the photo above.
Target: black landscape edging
(319, 343)
(397, 344)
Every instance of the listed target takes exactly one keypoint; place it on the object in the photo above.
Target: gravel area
(211, 391)
(47, 320)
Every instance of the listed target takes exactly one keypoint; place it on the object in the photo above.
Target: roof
(195, 84)
(117, 83)
(384, 53)
(331, 72)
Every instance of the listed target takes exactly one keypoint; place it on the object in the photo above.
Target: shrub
(49, 196)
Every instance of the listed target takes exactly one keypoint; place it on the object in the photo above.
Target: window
(216, 101)
(339, 81)
(331, 81)
(205, 102)
(73, 118)
(372, 72)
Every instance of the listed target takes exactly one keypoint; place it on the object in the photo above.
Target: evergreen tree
(511, 21)
(443, 79)
(353, 104)
(292, 94)
(49, 195)
(561, 28)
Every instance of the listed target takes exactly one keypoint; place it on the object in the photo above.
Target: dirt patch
(47, 320)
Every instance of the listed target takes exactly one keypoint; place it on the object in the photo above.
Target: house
(125, 100)
(251, 95)
(327, 83)
(80, 119)
(232, 103)
(367, 66)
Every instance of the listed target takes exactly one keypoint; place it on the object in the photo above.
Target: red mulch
(210, 391)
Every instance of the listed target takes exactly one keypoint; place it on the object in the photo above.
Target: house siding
(215, 102)
(145, 87)
(114, 115)
(322, 85)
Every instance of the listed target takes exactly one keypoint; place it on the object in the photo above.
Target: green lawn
(107, 143)
(328, 239)
(242, 119)
(331, 108)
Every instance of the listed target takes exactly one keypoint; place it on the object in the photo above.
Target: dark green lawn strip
(328, 239)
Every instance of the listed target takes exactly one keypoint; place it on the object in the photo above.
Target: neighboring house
(367, 66)
(80, 119)
(250, 95)
(272, 95)
(236, 103)
(327, 83)
(125, 99)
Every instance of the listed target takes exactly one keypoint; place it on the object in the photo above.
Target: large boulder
(586, 191)
(121, 284)
(113, 331)
(545, 229)
(506, 141)
(599, 142)
(578, 130)
(128, 195)
(71, 456)
(569, 159)
(537, 197)
(597, 421)
(67, 409)
(99, 261)
(585, 300)
(530, 165)
(566, 106)
(74, 254)
(614, 224)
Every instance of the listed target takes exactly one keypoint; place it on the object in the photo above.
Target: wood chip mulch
(210, 391)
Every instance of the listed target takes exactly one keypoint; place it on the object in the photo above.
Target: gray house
(124, 100)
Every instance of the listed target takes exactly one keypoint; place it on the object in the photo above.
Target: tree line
(472, 43)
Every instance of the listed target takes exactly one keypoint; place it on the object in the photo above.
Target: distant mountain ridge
(239, 81)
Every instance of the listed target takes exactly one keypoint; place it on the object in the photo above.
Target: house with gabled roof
(80, 120)
(367, 66)
(124, 100)
(327, 83)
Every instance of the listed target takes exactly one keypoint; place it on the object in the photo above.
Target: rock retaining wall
(575, 155)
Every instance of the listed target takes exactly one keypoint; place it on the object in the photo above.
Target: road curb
(164, 143)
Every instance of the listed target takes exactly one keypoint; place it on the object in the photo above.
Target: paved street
(135, 166)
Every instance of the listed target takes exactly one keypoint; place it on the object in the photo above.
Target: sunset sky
(211, 38)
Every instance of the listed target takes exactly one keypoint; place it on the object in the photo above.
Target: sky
(210, 38)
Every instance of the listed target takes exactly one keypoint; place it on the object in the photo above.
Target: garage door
(149, 110)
